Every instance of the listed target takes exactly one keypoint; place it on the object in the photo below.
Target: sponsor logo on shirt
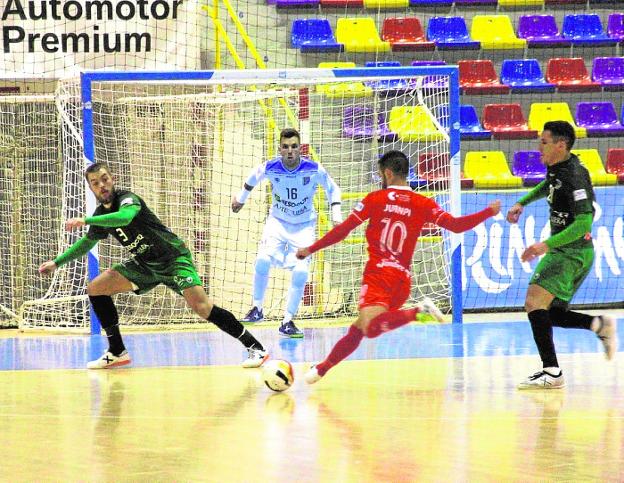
(126, 201)
(359, 206)
(306, 180)
(579, 195)
(559, 218)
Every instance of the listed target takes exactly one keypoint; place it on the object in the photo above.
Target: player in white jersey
(291, 222)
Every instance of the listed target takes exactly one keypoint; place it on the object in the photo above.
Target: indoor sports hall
(180, 100)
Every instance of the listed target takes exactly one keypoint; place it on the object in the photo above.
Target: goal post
(185, 142)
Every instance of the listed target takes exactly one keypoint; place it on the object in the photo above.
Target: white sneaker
(542, 380)
(608, 335)
(256, 358)
(108, 361)
(312, 375)
(428, 306)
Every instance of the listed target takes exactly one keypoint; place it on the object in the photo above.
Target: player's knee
(203, 308)
(299, 278)
(263, 265)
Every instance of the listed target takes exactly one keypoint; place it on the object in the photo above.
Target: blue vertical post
(93, 263)
(455, 197)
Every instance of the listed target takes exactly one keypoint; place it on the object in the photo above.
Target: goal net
(185, 142)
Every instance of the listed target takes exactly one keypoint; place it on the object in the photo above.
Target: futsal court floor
(424, 403)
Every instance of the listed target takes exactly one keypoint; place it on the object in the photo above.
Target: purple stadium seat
(296, 3)
(541, 31)
(528, 166)
(609, 71)
(599, 118)
(585, 29)
(615, 26)
(359, 123)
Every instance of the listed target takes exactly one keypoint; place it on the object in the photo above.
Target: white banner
(53, 38)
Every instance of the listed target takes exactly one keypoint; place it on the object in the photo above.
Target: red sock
(343, 348)
(389, 321)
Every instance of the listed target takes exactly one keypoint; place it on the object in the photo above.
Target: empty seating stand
(599, 118)
(314, 35)
(615, 163)
(528, 166)
(489, 169)
(469, 125)
(342, 89)
(506, 121)
(450, 33)
(413, 123)
(359, 123)
(542, 112)
(434, 168)
(541, 31)
(609, 72)
(360, 35)
(405, 34)
(570, 75)
(615, 27)
(524, 75)
(585, 29)
(593, 162)
(479, 77)
(495, 32)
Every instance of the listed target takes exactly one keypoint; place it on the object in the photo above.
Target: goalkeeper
(156, 256)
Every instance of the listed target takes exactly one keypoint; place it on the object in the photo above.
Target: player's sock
(295, 292)
(106, 311)
(543, 335)
(261, 281)
(343, 349)
(287, 317)
(570, 320)
(229, 324)
(389, 321)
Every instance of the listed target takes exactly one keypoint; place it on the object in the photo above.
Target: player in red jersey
(396, 215)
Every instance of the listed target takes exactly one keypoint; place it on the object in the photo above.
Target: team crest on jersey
(359, 206)
(306, 180)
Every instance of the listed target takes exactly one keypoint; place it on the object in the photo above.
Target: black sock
(570, 320)
(543, 335)
(229, 324)
(106, 311)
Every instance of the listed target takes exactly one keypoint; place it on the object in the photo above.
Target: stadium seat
(475, 3)
(541, 31)
(519, 3)
(599, 118)
(430, 3)
(585, 29)
(479, 77)
(394, 85)
(413, 123)
(382, 4)
(360, 35)
(593, 162)
(469, 125)
(417, 63)
(609, 72)
(570, 75)
(405, 34)
(434, 168)
(495, 32)
(358, 123)
(314, 35)
(489, 169)
(528, 166)
(450, 33)
(524, 75)
(615, 26)
(342, 89)
(615, 163)
(506, 121)
(342, 3)
(296, 3)
(542, 112)
(565, 2)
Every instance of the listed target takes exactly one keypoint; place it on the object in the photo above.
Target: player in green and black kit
(157, 256)
(569, 254)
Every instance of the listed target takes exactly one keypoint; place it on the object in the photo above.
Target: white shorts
(280, 241)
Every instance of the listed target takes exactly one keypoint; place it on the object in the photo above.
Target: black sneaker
(254, 315)
(289, 329)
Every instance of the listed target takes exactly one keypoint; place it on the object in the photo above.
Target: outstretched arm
(460, 224)
(77, 250)
(540, 191)
(333, 236)
(334, 195)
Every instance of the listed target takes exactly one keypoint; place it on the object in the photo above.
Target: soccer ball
(278, 375)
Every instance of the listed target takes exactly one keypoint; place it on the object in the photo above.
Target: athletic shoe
(109, 361)
(608, 335)
(254, 315)
(542, 380)
(428, 306)
(312, 375)
(289, 329)
(255, 359)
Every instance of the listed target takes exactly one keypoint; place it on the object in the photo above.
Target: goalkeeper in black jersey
(157, 256)
(568, 254)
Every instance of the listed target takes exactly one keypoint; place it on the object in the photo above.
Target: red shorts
(388, 287)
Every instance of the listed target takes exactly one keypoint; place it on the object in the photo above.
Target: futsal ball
(278, 375)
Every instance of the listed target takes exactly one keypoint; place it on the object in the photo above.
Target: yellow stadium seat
(381, 4)
(489, 169)
(495, 32)
(542, 112)
(590, 158)
(519, 3)
(343, 89)
(360, 35)
(413, 123)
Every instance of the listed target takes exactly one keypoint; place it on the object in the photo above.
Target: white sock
(287, 318)
(258, 304)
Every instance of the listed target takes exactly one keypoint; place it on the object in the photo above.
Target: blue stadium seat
(450, 33)
(524, 75)
(314, 35)
(387, 84)
(469, 125)
(585, 29)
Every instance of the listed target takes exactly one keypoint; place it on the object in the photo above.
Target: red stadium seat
(434, 168)
(405, 34)
(506, 121)
(615, 163)
(570, 75)
(479, 77)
